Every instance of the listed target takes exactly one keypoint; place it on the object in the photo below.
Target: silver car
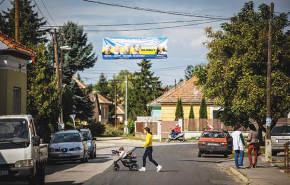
(68, 145)
(280, 135)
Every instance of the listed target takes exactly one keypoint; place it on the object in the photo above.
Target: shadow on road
(202, 161)
(63, 183)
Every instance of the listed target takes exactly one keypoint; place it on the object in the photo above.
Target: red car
(212, 142)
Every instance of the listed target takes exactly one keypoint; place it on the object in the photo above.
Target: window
(16, 100)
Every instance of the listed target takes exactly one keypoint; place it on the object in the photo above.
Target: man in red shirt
(177, 130)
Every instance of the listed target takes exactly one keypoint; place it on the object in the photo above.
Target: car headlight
(24, 163)
(51, 150)
(77, 148)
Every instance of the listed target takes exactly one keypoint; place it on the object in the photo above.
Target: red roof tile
(12, 44)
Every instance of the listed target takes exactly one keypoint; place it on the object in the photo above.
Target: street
(179, 160)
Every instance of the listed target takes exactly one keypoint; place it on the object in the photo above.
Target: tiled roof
(102, 99)
(187, 91)
(12, 44)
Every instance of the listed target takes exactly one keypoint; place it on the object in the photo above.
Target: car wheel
(274, 153)
(134, 167)
(226, 154)
(116, 167)
(95, 154)
(198, 153)
(92, 154)
(39, 178)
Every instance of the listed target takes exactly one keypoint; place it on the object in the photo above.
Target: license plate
(63, 155)
(4, 173)
(283, 140)
(213, 144)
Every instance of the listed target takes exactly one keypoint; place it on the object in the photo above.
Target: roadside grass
(192, 139)
(232, 156)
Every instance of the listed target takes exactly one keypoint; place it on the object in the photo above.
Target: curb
(239, 175)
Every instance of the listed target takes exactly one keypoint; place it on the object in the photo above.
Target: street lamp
(60, 82)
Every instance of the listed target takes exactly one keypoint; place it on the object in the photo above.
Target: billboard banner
(134, 48)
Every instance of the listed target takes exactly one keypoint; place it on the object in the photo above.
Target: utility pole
(115, 104)
(126, 108)
(60, 82)
(56, 55)
(17, 20)
(175, 83)
(268, 147)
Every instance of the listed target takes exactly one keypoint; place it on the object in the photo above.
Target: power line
(158, 28)
(2, 1)
(157, 11)
(139, 24)
(48, 12)
(41, 12)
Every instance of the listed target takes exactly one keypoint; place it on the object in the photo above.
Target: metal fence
(286, 157)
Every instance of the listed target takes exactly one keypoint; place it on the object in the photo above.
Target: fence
(152, 125)
(286, 158)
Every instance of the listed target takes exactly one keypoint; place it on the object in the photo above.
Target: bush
(97, 128)
(131, 126)
(113, 131)
(69, 125)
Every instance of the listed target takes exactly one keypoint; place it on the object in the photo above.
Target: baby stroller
(127, 160)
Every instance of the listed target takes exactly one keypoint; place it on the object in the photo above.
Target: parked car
(68, 146)
(230, 142)
(22, 157)
(91, 141)
(212, 142)
(280, 135)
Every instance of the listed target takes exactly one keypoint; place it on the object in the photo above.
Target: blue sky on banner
(185, 44)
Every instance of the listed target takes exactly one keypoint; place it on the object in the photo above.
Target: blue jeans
(237, 154)
(174, 134)
(149, 154)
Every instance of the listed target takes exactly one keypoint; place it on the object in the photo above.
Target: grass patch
(192, 139)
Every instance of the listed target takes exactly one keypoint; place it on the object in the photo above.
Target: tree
(191, 113)
(188, 72)
(203, 109)
(78, 102)
(102, 86)
(42, 93)
(179, 110)
(144, 88)
(30, 32)
(80, 57)
(237, 70)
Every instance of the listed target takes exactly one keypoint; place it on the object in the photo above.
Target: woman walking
(149, 150)
(253, 142)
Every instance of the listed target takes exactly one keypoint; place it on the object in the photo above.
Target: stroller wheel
(134, 167)
(116, 167)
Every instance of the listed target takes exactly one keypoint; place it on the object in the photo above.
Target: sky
(185, 44)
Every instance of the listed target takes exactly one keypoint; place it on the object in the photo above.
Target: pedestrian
(253, 142)
(149, 150)
(239, 145)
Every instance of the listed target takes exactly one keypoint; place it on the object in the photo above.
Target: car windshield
(86, 135)
(13, 130)
(65, 137)
(227, 134)
(281, 131)
(209, 134)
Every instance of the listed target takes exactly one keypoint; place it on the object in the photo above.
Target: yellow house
(165, 105)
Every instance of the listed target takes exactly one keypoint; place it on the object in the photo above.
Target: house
(101, 111)
(164, 106)
(13, 75)
(120, 113)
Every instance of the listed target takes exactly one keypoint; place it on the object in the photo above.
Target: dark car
(230, 142)
(91, 142)
(212, 142)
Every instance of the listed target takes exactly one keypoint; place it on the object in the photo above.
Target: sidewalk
(264, 174)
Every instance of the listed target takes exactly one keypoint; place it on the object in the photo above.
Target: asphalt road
(179, 160)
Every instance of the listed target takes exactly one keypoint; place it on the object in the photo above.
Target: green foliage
(179, 110)
(237, 70)
(144, 88)
(97, 129)
(77, 101)
(102, 86)
(30, 33)
(112, 131)
(80, 57)
(191, 113)
(131, 126)
(203, 109)
(69, 125)
(42, 93)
